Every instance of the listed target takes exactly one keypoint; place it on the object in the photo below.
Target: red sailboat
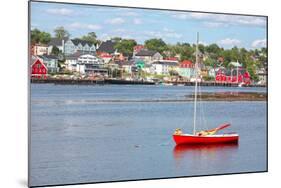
(206, 136)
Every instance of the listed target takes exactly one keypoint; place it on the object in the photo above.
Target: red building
(104, 55)
(171, 58)
(186, 64)
(138, 48)
(39, 70)
(231, 76)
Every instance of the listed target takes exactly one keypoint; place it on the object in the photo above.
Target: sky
(141, 24)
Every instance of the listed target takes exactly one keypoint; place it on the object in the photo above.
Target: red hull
(211, 139)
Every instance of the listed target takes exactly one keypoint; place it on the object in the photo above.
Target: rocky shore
(231, 96)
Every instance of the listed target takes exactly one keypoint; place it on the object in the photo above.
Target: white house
(163, 67)
(85, 64)
(148, 56)
(39, 49)
(59, 43)
(126, 66)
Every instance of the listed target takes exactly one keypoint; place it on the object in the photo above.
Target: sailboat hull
(210, 139)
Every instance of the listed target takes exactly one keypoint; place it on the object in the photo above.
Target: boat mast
(237, 72)
(196, 80)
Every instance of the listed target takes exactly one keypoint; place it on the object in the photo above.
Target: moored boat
(208, 139)
(207, 136)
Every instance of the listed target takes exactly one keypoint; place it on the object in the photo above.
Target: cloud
(222, 19)
(259, 43)
(78, 25)
(165, 29)
(115, 21)
(137, 21)
(165, 33)
(60, 11)
(229, 42)
(120, 31)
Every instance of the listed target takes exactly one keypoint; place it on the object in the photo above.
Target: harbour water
(97, 133)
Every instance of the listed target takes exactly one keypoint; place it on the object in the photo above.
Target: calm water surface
(95, 133)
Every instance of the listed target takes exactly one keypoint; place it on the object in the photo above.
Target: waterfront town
(60, 57)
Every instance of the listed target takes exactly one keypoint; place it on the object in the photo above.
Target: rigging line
(200, 105)
(204, 122)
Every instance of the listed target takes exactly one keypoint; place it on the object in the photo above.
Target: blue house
(72, 46)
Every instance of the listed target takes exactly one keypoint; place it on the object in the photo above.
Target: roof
(73, 56)
(78, 54)
(105, 55)
(83, 42)
(57, 41)
(137, 48)
(82, 52)
(107, 46)
(48, 57)
(37, 60)
(120, 63)
(235, 64)
(171, 58)
(145, 52)
(39, 45)
(170, 63)
(33, 59)
(186, 64)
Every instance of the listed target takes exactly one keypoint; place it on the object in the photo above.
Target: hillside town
(63, 57)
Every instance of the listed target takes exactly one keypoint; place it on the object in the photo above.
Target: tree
(116, 39)
(201, 48)
(55, 50)
(35, 36)
(44, 37)
(156, 44)
(186, 52)
(60, 32)
(210, 62)
(40, 37)
(126, 46)
(214, 51)
(90, 37)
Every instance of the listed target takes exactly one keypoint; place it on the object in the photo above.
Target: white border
(14, 94)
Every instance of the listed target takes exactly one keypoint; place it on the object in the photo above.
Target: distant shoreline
(133, 82)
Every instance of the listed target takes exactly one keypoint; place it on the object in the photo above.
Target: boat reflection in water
(216, 158)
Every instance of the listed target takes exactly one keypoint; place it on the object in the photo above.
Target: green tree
(201, 48)
(213, 49)
(44, 37)
(40, 37)
(61, 32)
(210, 62)
(156, 44)
(90, 37)
(55, 50)
(116, 39)
(186, 52)
(35, 36)
(126, 46)
(251, 69)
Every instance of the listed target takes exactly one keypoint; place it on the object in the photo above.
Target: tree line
(214, 56)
